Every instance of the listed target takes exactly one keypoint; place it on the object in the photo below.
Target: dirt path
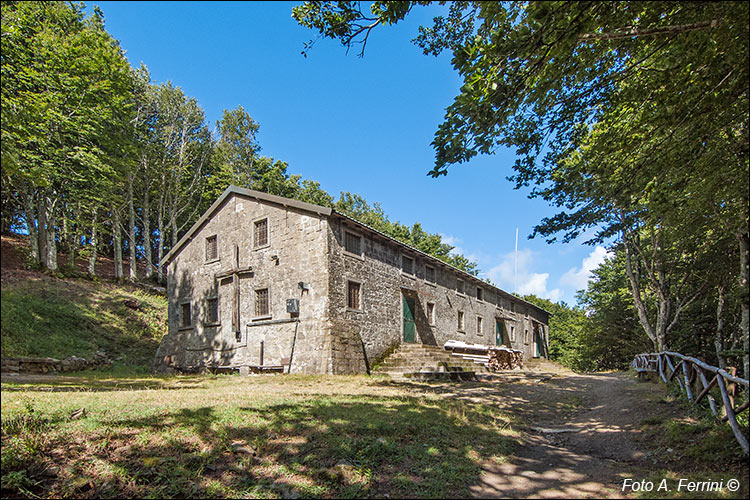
(588, 463)
(605, 410)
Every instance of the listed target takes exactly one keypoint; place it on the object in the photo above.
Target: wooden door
(499, 332)
(409, 327)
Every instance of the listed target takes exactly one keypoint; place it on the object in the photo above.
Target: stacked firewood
(504, 359)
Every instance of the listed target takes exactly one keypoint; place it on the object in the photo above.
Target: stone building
(262, 280)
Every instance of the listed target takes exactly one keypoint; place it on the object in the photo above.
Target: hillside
(44, 316)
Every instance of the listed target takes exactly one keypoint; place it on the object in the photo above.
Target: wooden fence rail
(691, 374)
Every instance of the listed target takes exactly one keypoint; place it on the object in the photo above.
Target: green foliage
(612, 336)
(567, 334)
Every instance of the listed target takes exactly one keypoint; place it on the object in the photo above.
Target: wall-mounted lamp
(305, 287)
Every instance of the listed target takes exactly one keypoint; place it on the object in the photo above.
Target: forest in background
(98, 159)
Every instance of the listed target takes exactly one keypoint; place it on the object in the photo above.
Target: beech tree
(621, 113)
(65, 91)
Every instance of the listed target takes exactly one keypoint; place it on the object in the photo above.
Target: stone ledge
(52, 365)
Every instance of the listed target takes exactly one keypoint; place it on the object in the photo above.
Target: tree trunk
(41, 232)
(46, 232)
(94, 245)
(73, 239)
(744, 302)
(147, 233)
(173, 224)
(64, 230)
(51, 243)
(29, 212)
(133, 273)
(160, 252)
(719, 340)
(640, 307)
(117, 243)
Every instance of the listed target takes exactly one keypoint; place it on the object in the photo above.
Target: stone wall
(292, 265)
(52, 365)
(383, 283)
(305, 260)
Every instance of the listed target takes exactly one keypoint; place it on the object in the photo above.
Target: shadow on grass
(96, 383)
(320, 447)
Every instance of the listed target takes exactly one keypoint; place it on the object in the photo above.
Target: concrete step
(420, 358)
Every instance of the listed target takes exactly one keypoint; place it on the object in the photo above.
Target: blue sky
(362, 125)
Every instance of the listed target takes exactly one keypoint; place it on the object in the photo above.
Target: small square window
(212, 310)
(407, 264)
(353, 295)
(460, 321)
(261, 233)
(262, 306)
(460, 287)
(211, 248)
(186, 315)
(352, 243)
(479, 293)
(479, 325)
(431, 313)
(429, 274)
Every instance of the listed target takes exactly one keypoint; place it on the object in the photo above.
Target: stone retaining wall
(52, 365)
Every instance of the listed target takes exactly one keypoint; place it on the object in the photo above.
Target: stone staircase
(427, 362)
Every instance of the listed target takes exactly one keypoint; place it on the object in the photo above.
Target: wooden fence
(691, 375)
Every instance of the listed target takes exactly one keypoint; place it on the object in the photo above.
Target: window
(261, 303)
(407, 264)
(186, 317)
(352, 243)
(211, 248)
(353, 295)
(431, 313)
(212, 310)
(261, 233)
(479, 325)
(429, 274)
(479, 293)
(512, 333)
(460, 321)
(460, 287)
(526, 336)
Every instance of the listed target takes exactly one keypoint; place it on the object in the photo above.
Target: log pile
(502, 358)
(494, 358)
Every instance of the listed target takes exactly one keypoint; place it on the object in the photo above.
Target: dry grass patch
(229, 436)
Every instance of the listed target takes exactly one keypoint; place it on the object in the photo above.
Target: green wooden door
(499, 332)
(537, 343)
(409, 328)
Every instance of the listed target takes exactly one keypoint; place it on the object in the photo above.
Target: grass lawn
(230, 436)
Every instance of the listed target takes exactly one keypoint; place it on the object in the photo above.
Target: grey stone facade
(305, 262)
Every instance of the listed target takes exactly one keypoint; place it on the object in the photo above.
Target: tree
(618, 112)
(65, 92)
(612, 336)
(567, 330)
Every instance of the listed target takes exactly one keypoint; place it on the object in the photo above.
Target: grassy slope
(51, 317)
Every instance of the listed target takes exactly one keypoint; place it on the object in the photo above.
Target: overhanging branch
(661, 30)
